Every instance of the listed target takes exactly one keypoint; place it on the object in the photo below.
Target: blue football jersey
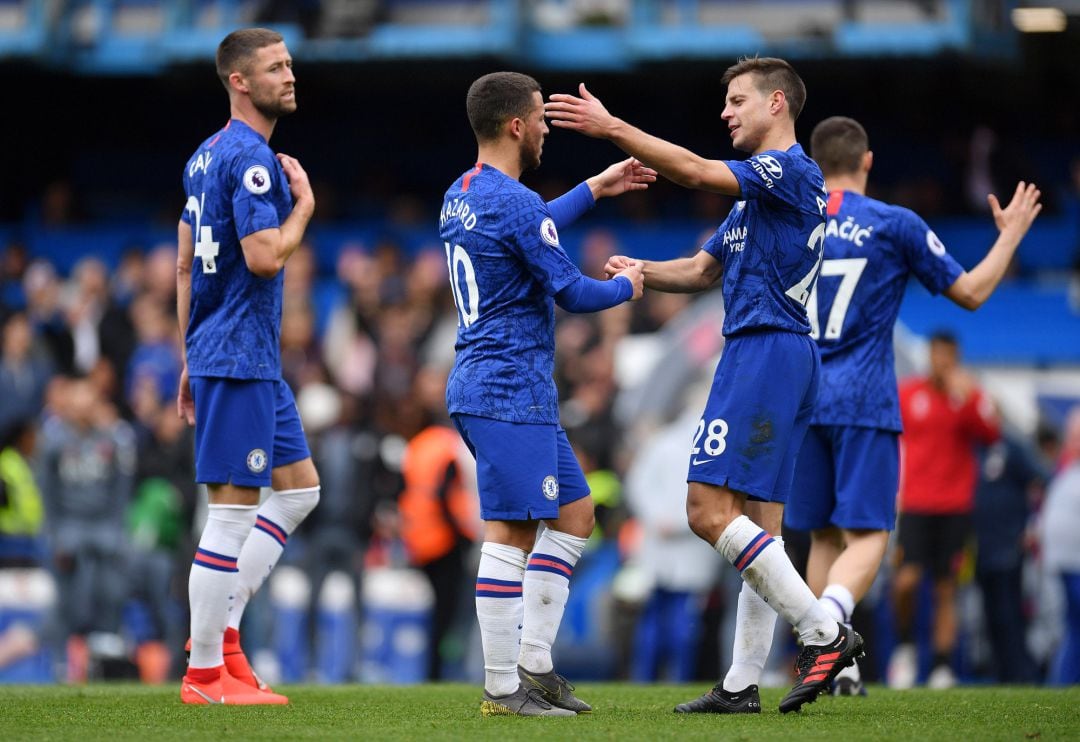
(870, 250)
(506, 265)
(770, 243)
(235, 187)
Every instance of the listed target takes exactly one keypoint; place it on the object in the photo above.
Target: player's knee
(706, 522)
(577, 519)
(584, 525)
(710, 510)
(299, 502)
(829, 536)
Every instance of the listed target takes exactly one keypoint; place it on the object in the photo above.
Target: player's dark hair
(945, 337)
(771, 73)
(497, 98)
(10, 434)
(236, 50)
(838, 145)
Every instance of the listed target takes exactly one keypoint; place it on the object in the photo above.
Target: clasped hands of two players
(620, 265)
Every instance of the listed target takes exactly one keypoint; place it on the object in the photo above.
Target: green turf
(451, 711)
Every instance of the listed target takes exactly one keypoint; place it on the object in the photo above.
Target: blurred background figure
(1061, 553)
(152, 373)
(945, 416)
(440, 519)
(86, 471)
(27, 590)
(679, 567)
(42, 289)
(1013, 475)
(155, 525)
(25, 368)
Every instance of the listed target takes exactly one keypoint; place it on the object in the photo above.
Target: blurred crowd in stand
(99, 510)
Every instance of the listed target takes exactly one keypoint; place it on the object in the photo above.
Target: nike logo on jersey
(699, 462)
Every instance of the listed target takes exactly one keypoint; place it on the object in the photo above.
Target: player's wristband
(568, 207)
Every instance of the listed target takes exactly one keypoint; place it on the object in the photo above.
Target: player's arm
(678, 164)
(974, 287)
(536, 243)
(624, 176)
(589, 295)
(679, 276)
(266, 250)
(185, 255)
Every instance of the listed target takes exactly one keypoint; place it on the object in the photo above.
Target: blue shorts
(244, 429)
(757, 415)
(523, 471)
(847, 477)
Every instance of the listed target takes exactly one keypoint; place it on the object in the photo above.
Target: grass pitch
(452, 711)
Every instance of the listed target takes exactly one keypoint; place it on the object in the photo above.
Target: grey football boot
(555, 689)
(522, 702)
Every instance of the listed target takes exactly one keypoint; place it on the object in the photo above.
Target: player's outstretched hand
(628, 175)
(585, 114)
(1021, 211)
(298, 179)
(637, 278)
(615, 264)
(185, 405)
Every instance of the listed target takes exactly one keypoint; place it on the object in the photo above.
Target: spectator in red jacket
(945, 418)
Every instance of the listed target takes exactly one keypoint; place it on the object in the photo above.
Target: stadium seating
(144, 36)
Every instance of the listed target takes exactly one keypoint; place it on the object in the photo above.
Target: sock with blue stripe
(765, 567)
(499, 611)
(277, 518)
(546, 590)
(755, 621)
(213, 579)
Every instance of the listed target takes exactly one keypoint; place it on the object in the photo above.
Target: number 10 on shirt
(467, 296)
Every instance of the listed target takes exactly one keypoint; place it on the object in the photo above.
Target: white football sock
(546, 589)
(277, 518)
(839, 602)
(213, 579)
(766, 568)
(499, 610)
(755, 622)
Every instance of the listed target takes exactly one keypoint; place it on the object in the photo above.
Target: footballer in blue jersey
(766, 256)
(507, 273)
(507, 264)
(245, 214)
(235, 187)
(848, 469)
